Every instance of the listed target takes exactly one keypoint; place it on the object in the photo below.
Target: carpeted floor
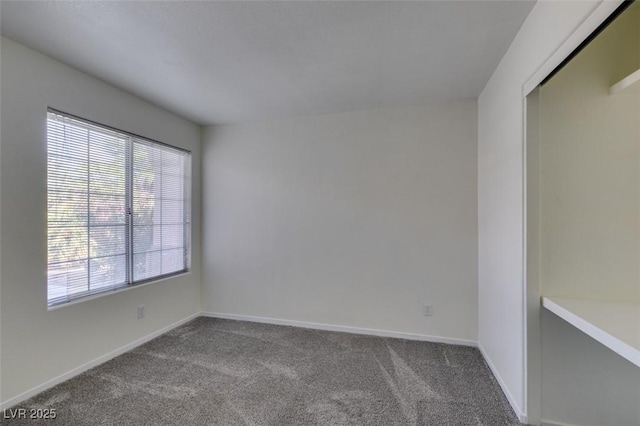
(222, 372)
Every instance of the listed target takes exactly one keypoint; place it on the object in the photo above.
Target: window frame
(129, 167)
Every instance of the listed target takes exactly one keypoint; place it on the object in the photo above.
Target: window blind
(161, 180)
(118, 209)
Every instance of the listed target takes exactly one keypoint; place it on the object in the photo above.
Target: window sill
(118, 290)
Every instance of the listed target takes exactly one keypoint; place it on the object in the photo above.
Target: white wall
(351, 219)
(590, 171)
(38, 345)
(501, 192)
(583, 382)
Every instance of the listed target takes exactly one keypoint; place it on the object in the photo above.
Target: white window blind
(118, 208)
(161, 178)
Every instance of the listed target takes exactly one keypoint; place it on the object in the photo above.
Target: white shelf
(630, 83)
(615, 325)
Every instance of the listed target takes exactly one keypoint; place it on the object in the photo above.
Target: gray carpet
(222, 372)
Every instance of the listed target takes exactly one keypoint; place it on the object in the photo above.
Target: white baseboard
(93, 363)
(343, 328)
(522, 417)
(552, 423)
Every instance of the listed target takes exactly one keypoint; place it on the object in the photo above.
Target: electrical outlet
(140, 311)
(427, 310)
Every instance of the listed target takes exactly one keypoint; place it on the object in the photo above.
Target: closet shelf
(614, 324)
(630, 83)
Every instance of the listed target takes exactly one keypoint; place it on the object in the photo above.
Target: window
(118, 209)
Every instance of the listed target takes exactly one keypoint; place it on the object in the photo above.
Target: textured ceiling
(218, 62)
